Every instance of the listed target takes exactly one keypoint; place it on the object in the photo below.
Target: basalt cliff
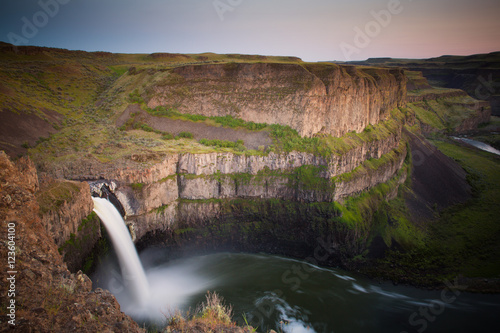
(311, 98)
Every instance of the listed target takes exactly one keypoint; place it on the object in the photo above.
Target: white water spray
(130, 264)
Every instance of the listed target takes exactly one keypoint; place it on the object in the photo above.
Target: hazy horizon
(318, 30)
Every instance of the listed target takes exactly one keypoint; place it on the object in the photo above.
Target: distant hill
(478, 75)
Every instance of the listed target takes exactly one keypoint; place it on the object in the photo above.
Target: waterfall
(130, 264)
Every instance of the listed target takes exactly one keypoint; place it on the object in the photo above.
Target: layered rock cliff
(66, 214)
(301, 177)
(445, 108)
(150, 186)
(46, 296)
(312, 98)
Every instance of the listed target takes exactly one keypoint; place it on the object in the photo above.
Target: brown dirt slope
(438, 181)
(251, 139)
(19, 129)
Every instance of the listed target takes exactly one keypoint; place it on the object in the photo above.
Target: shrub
(167, 136)
(211, 316)
(238, 145)
(137, 186)
(194, 117)
(144, 127)
(240, 148)
(186, 135)
(135, 97)
(214, 308)
(289, 139)
(147, 128)
(225, 121)
(163, 111)
(229, 121)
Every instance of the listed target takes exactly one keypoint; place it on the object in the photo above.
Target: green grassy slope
(463, 241)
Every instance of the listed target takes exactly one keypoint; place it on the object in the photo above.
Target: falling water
(130, 264)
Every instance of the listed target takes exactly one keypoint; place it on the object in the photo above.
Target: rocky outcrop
(435, 94)
(416, 81)
(48, 298)
(155, 206)
(457, 111)
(73, 205)
(152, 168)
(285, 185)
(137, 168)
(312, 98)
(482, 116)
(229, 163)
(66, 214)
(366, 179)
(142, 199)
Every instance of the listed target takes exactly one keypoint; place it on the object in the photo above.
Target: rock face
(151, 169)
(482, 116)
(66, 214)
(227, 176)
(63, 220)
(312, 98)
(157, 189)
(48, 298)
(150, 186)
(227, 163)
(138, 168)
(435, 95)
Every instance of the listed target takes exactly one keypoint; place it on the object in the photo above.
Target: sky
(314, 30)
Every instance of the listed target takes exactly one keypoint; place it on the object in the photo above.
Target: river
(273, 292)
(478, 144)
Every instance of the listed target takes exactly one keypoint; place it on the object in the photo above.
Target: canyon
(352, 145)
